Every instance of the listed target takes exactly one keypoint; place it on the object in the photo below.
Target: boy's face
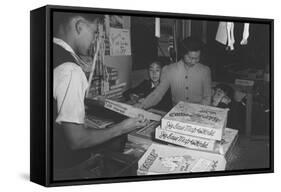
(191, 58)
(154, 72)
(85, 37)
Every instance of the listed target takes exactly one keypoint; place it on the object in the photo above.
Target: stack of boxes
(193, 126)
(203, 141)
(197, 127)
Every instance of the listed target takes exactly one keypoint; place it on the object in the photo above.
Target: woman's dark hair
(190, 44)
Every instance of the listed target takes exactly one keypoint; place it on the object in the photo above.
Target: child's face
(219, 93)
(220, 96)
(154, 72)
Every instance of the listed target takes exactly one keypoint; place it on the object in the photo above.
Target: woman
(147, 86)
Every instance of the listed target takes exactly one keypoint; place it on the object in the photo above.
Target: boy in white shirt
(74, 34)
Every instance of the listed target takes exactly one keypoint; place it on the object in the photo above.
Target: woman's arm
(140, 90)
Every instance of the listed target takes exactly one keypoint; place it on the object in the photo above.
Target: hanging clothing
(244, 41)
(221, 36)
(225, 34)
(230, 35)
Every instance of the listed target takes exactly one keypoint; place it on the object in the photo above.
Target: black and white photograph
(135, 95)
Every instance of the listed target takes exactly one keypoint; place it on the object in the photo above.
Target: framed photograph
(120, 95)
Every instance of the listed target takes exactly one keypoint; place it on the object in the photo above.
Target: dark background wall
(254, 55)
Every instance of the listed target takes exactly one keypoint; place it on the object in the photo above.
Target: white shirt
(69, 88)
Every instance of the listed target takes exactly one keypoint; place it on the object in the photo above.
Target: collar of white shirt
(68, 48)
(63, 44)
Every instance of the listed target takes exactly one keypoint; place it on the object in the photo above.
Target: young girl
(147, 86)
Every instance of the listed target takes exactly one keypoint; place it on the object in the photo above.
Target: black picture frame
(41, 116)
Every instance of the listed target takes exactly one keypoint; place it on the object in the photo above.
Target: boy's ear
(78, 26)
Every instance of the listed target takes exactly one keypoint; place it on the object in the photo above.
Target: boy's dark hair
(63, 18)
(190, 44)
(157, 63)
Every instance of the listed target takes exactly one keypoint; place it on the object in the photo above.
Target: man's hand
(133, 123)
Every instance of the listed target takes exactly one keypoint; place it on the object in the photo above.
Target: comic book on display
(222, 147)
(196, 120)
(165, 159)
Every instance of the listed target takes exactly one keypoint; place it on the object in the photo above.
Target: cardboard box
(184, 140)
(129, 110)
(196, 120)
(228, 141)
(164, 159)
(223, 147)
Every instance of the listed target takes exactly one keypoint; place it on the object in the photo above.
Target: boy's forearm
(81, 136)
(96, 136)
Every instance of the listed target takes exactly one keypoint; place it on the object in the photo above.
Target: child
(223, 97)
(147, 86)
